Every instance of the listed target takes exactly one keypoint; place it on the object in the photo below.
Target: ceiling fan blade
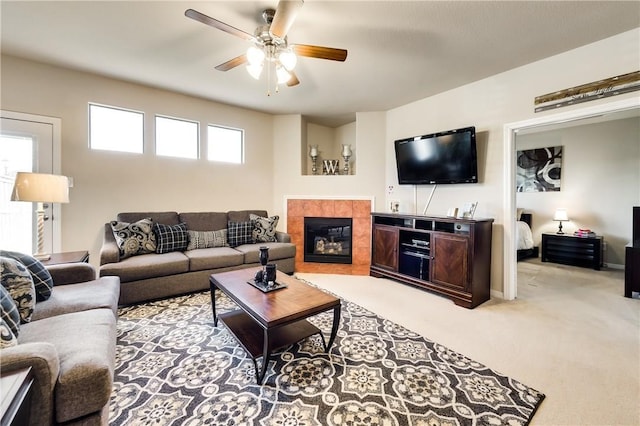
(285, 15)
(320, 52)
(293, 81)
(207, 20)
(232, 63)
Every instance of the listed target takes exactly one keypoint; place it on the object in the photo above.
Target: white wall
(490, 103)
(599, 182)
(106, 183)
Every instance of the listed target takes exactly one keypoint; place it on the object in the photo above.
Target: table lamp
(40, 188)
(560, 216)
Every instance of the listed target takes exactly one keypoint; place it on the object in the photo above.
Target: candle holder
(313, 153)
(346, 154)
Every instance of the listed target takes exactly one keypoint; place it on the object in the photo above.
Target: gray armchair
(70, 346)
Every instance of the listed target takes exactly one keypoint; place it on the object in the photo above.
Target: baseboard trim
(497, 294)
(614, 266)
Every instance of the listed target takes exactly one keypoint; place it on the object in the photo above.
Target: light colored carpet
(570, 334)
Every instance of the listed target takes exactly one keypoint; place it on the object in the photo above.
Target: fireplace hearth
(327, 239)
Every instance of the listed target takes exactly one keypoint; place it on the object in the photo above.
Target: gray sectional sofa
(153, 276)
(70, 345)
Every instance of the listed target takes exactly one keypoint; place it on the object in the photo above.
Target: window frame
(242, 144)
(116, 108)
(184, 120)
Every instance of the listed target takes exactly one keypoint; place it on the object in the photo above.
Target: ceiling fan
(269, 46)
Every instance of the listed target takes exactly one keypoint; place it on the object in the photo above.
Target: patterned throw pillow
(264, 230)
(171, 237)
(134, 238)
(9, 312)
(41, 277)
(7, 338)
(207, 239)
(239, 233)
(15, 277)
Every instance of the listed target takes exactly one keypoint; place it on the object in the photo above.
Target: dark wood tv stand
(445, 255)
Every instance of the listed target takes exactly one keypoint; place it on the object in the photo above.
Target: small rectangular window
(116, 129)
(225, 144)
(176, 137)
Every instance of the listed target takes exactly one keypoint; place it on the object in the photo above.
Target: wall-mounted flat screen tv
(445, 157)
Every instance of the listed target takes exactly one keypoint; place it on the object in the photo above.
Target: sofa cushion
(42, 280)
(7, 338)
(240, 233)
(168, 218)
(212, 258)
(15, 277)
(134, 238)
(276, 251)
(170, 237)
(147, 266)
(85, 342)
(101, 293)
(204, 221)
(9, 311)
(207, 239)
(264, 230)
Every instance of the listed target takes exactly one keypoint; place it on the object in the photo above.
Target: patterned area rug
(174, 368)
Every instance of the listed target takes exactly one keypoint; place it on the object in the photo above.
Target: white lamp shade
(41, 188)
(288, 59)
(561, 214)
(282, 74)
(255, 55)
(254, 70)
(346, 150)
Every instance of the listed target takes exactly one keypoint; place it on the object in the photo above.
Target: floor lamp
(40, 188)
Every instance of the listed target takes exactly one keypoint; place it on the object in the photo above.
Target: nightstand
(572, 250)
(67, 257)
(15, 397)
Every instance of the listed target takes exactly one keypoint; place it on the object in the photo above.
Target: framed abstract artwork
(539, 169)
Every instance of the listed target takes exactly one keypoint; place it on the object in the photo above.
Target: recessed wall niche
(330, 144)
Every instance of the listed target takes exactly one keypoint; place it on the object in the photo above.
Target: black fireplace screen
(327, 239)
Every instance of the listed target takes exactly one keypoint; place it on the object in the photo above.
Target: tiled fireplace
(357, 210)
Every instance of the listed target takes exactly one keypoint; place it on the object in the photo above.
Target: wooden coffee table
(268, 321)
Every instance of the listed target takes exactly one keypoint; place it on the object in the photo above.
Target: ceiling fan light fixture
(282, 74)
(288, 59)
(255, 55)
(255, 70)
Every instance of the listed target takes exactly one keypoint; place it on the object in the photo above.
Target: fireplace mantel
(357, 208)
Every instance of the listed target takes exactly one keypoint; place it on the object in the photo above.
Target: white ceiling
(399, 51)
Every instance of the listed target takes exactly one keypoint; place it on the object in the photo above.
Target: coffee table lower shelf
(251, 336)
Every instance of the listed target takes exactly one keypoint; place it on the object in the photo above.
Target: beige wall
(106, 183)
(329, 141)
(488, 104)
(290, 148)
(599, 182)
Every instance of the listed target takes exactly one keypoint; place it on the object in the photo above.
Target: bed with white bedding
(524, 237)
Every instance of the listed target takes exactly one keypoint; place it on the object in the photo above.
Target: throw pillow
(7, 338)
(9, 311)
(15, 277)
(134, 238)
(207, 239)
(171, 237)
(41, 277)
(239, 233)
(264, 230)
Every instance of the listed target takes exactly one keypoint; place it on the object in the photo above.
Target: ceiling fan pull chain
(268, 79)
